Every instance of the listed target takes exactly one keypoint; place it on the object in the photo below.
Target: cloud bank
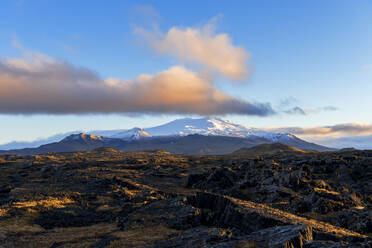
(338, 130)
(40, 84)
(202, 46)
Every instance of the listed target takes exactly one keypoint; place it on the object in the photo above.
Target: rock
(202, 237)
(325, 244)
(333, 244)
(300, 206)
(173, 212)
(5, 189)
(72, 218)
(324, 206)
(193, 179)
(283, 236)
(220, 178)
(358, 220)
(221, 212)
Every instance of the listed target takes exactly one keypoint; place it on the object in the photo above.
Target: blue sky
(317, 53)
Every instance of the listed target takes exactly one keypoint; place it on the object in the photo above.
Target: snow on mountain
(215, 126)
(272, 136)
(132, 134)
(203, 126)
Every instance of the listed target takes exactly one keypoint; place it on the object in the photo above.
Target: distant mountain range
(191, 136)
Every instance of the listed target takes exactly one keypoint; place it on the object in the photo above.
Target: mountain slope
(193, 144)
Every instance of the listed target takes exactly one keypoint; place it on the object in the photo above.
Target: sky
(95, 65)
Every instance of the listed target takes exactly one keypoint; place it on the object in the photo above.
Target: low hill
(268, 148)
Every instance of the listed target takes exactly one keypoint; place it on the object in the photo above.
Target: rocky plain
(109, 198)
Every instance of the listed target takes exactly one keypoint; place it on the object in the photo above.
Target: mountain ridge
(150, 137)
(190, 144)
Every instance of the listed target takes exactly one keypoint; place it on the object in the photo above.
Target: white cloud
(201, 45)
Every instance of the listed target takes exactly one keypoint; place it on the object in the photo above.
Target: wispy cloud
(300, 111)
(37, 83)
(146, 11)
(68, 49)
(289, 105)
(295, 111)
(367, 67)
(288, 101)
(203, 46)
(346, 129)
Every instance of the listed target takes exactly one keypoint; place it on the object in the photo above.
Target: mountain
(36, 143)
(72, 143)
(213, 126)
(266, 149)
(150, 137)
(360, 142)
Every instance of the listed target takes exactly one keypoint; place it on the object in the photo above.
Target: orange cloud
(40, 84)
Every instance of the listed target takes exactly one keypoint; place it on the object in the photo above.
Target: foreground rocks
(108, 198)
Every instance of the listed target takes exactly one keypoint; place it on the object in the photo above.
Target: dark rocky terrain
(110, 198)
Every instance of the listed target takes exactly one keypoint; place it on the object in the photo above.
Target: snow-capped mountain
(215, 126)
(203, 126)
(132, 134)
(181, 127)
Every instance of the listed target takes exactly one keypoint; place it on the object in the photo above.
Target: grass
(293, 219)
(359, 207)
(142, 236)
(68, 237)
(50, 202)
(3, 212)
(326, 191)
